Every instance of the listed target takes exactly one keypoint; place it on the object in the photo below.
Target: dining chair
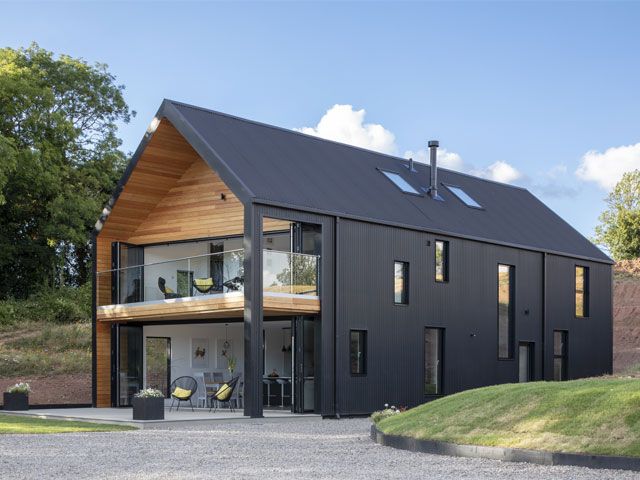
(202, 387)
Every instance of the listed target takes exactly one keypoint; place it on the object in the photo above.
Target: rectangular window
(433, 361)
(442, 261)
(400, 182)
(560, 355)
(505, 311)
(582, 291)
(401, 283)
(525, 362)
(358, 352)
(463, 196)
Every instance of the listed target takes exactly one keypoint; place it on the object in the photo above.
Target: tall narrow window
(442, 261)
(432, 361)
(560, 355)
(525, 362)
(358, 352)
(582, 291)
(401, 283)
(506, 275)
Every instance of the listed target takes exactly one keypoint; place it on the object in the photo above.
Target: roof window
(400, 182)
(463, 196)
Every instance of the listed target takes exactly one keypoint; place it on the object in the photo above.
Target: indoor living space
(210, 354)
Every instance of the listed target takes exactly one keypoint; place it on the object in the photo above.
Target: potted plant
(148, 404)
(17, 397)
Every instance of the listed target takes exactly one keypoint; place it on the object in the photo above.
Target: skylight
(400, 182)
(463, 197)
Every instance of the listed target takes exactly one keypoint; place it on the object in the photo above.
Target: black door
(126, 377)
(305, 354)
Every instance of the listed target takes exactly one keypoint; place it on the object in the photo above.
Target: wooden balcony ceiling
(209, 307)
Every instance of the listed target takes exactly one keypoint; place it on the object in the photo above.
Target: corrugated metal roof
(280, 166)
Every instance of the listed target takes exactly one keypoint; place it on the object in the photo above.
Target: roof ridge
(320, 139)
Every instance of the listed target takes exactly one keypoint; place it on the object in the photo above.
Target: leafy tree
(59, 161)
(619, 228)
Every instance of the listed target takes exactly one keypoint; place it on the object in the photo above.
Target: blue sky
(514, 91)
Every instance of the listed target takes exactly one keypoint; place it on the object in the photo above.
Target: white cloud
(446, 159)
(606, 168)
(499, 171)
(344, 124)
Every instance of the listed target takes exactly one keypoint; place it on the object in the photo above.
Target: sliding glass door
(127, 367)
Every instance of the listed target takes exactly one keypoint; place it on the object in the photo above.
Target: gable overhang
(168, 111)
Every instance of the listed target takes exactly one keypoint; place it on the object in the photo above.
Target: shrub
(20, 388)
(149, 393)
(388, 411)
(60, 305)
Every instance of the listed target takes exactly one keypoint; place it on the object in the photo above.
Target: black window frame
(563, 355)
(440, 373)
(363, 343)
(404, 300)
(445, 261)
(511, 311)
(585, 291)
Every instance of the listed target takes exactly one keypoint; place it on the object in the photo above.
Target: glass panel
(442, 253)
(293, 273)
(357, 352)
(158, 363)
(210, 273)
(524, 365)
(308, 366)
(558, 369)
(505, 310)
(462, 196)
(432, 361)
(400, 182)
(401, 270)
(129, 363)
(559, 355)
(581, 291)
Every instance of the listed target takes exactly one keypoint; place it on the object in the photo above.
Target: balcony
(207, 286)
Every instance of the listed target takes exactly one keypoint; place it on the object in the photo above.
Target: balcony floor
(224, 305)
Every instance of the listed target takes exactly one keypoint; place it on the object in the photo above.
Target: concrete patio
(124, 416)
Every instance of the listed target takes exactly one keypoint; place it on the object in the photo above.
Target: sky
(542, 95)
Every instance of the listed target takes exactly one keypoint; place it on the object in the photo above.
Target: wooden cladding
(103, 364)
(207, 307)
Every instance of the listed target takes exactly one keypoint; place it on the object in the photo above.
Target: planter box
(16, 401)
(148, 408)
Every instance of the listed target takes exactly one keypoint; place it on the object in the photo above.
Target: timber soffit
(257, 160)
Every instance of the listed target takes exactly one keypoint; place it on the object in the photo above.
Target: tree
(59, 161)
(619, 228)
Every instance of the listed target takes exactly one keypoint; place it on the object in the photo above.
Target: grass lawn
(599, 416)
(24, 424)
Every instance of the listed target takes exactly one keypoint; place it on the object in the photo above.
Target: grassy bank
(46, 334)
(22, 424)
(599, 416)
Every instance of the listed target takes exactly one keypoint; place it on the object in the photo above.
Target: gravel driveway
(295, 449)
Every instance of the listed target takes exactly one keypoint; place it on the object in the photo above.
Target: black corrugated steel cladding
(465, 307)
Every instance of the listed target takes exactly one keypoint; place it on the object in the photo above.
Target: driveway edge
(505, 454)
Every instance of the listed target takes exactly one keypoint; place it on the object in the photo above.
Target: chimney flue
(433, 154)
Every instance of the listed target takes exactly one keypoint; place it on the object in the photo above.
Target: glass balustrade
(214, 273)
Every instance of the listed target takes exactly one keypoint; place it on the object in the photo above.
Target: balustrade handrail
(201, 256)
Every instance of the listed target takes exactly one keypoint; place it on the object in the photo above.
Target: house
(357, 278)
